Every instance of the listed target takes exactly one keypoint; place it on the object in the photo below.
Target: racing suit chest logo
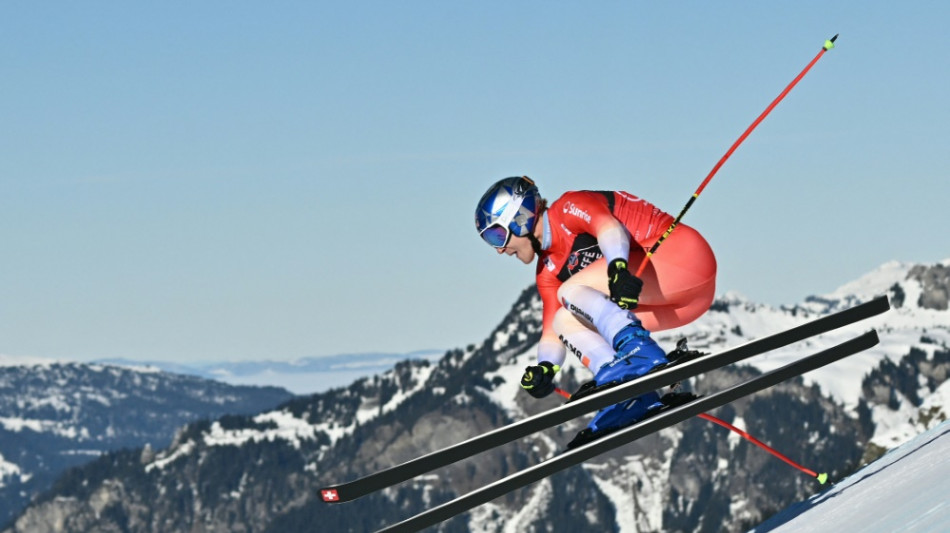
(571, 209)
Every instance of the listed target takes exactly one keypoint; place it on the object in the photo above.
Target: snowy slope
(906, 490)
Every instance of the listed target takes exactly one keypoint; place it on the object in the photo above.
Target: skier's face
(519, 247)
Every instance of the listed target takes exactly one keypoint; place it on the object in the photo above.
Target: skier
(585, 244)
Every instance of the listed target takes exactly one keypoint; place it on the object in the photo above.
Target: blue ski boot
(636, 355)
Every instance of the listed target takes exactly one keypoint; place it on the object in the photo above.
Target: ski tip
(822, 478)
(830, 43)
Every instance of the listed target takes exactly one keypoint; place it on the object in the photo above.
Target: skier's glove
(538, 380)
(624, 287)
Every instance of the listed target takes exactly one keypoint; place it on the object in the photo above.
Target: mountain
(306, 375)
(58, 415)
(262, 472)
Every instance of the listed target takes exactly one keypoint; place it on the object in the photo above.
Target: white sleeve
(614, 242)
(552, 352)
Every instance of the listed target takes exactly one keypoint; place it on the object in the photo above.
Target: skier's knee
(567, 321)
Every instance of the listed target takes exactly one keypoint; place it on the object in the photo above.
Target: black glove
(538, 380)
(624, 287)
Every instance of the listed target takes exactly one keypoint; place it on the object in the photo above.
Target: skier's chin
(526, 257)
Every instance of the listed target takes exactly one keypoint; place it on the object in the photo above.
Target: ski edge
(355, 489)
(625, 436)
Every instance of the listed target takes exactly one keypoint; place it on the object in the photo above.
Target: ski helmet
(511, 206)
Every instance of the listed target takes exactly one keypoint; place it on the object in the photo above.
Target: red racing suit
(582, 235)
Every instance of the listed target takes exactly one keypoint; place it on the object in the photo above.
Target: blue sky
(235, 180)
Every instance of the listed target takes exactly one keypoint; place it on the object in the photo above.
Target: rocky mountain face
(55, 416)
(262, 472)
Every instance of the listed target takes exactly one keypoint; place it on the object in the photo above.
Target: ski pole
(822, 477)
(829, 44)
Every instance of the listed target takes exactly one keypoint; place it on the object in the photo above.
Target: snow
(370, 410)
(896, 427)
(165, 460)
(40, 426)
(734, 438)
(55, 401)
(640, 508)
(905, 490)
(286, 427)
(283, 425)
(506, 396)
(7, 470)
(876, 282)
(532, 510)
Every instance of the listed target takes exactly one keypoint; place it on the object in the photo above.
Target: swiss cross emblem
(330, 495)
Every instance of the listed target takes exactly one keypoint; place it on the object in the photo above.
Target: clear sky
(239, 180)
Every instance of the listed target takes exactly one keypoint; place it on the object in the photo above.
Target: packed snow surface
(905, 490)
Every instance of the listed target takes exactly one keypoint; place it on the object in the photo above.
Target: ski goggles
(496, 235)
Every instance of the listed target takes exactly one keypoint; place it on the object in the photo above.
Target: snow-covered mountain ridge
(688, 477)
(57, 415)
(919, 319)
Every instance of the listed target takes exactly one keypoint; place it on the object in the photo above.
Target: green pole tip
(823, 478)
(830, 43)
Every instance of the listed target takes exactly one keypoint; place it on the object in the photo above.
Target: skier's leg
(679, 286)
(587, 318)
(632, 352)
(679, 282)
(582, 340)
(594, 309)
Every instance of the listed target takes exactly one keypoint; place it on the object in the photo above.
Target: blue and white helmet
(510, 207)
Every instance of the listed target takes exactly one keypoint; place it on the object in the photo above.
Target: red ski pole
(829, 44)
(822, 477)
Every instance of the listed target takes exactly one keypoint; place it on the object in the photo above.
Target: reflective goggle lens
(496, 235)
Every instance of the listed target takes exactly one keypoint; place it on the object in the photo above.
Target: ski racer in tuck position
(586, 243)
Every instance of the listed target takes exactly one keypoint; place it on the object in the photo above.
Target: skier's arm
(592, 215)
(612, 238)
(589, 212)
(550, 348)
(538, 380)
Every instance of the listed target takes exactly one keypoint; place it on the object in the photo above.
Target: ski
(665, 418)
(397, 474)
